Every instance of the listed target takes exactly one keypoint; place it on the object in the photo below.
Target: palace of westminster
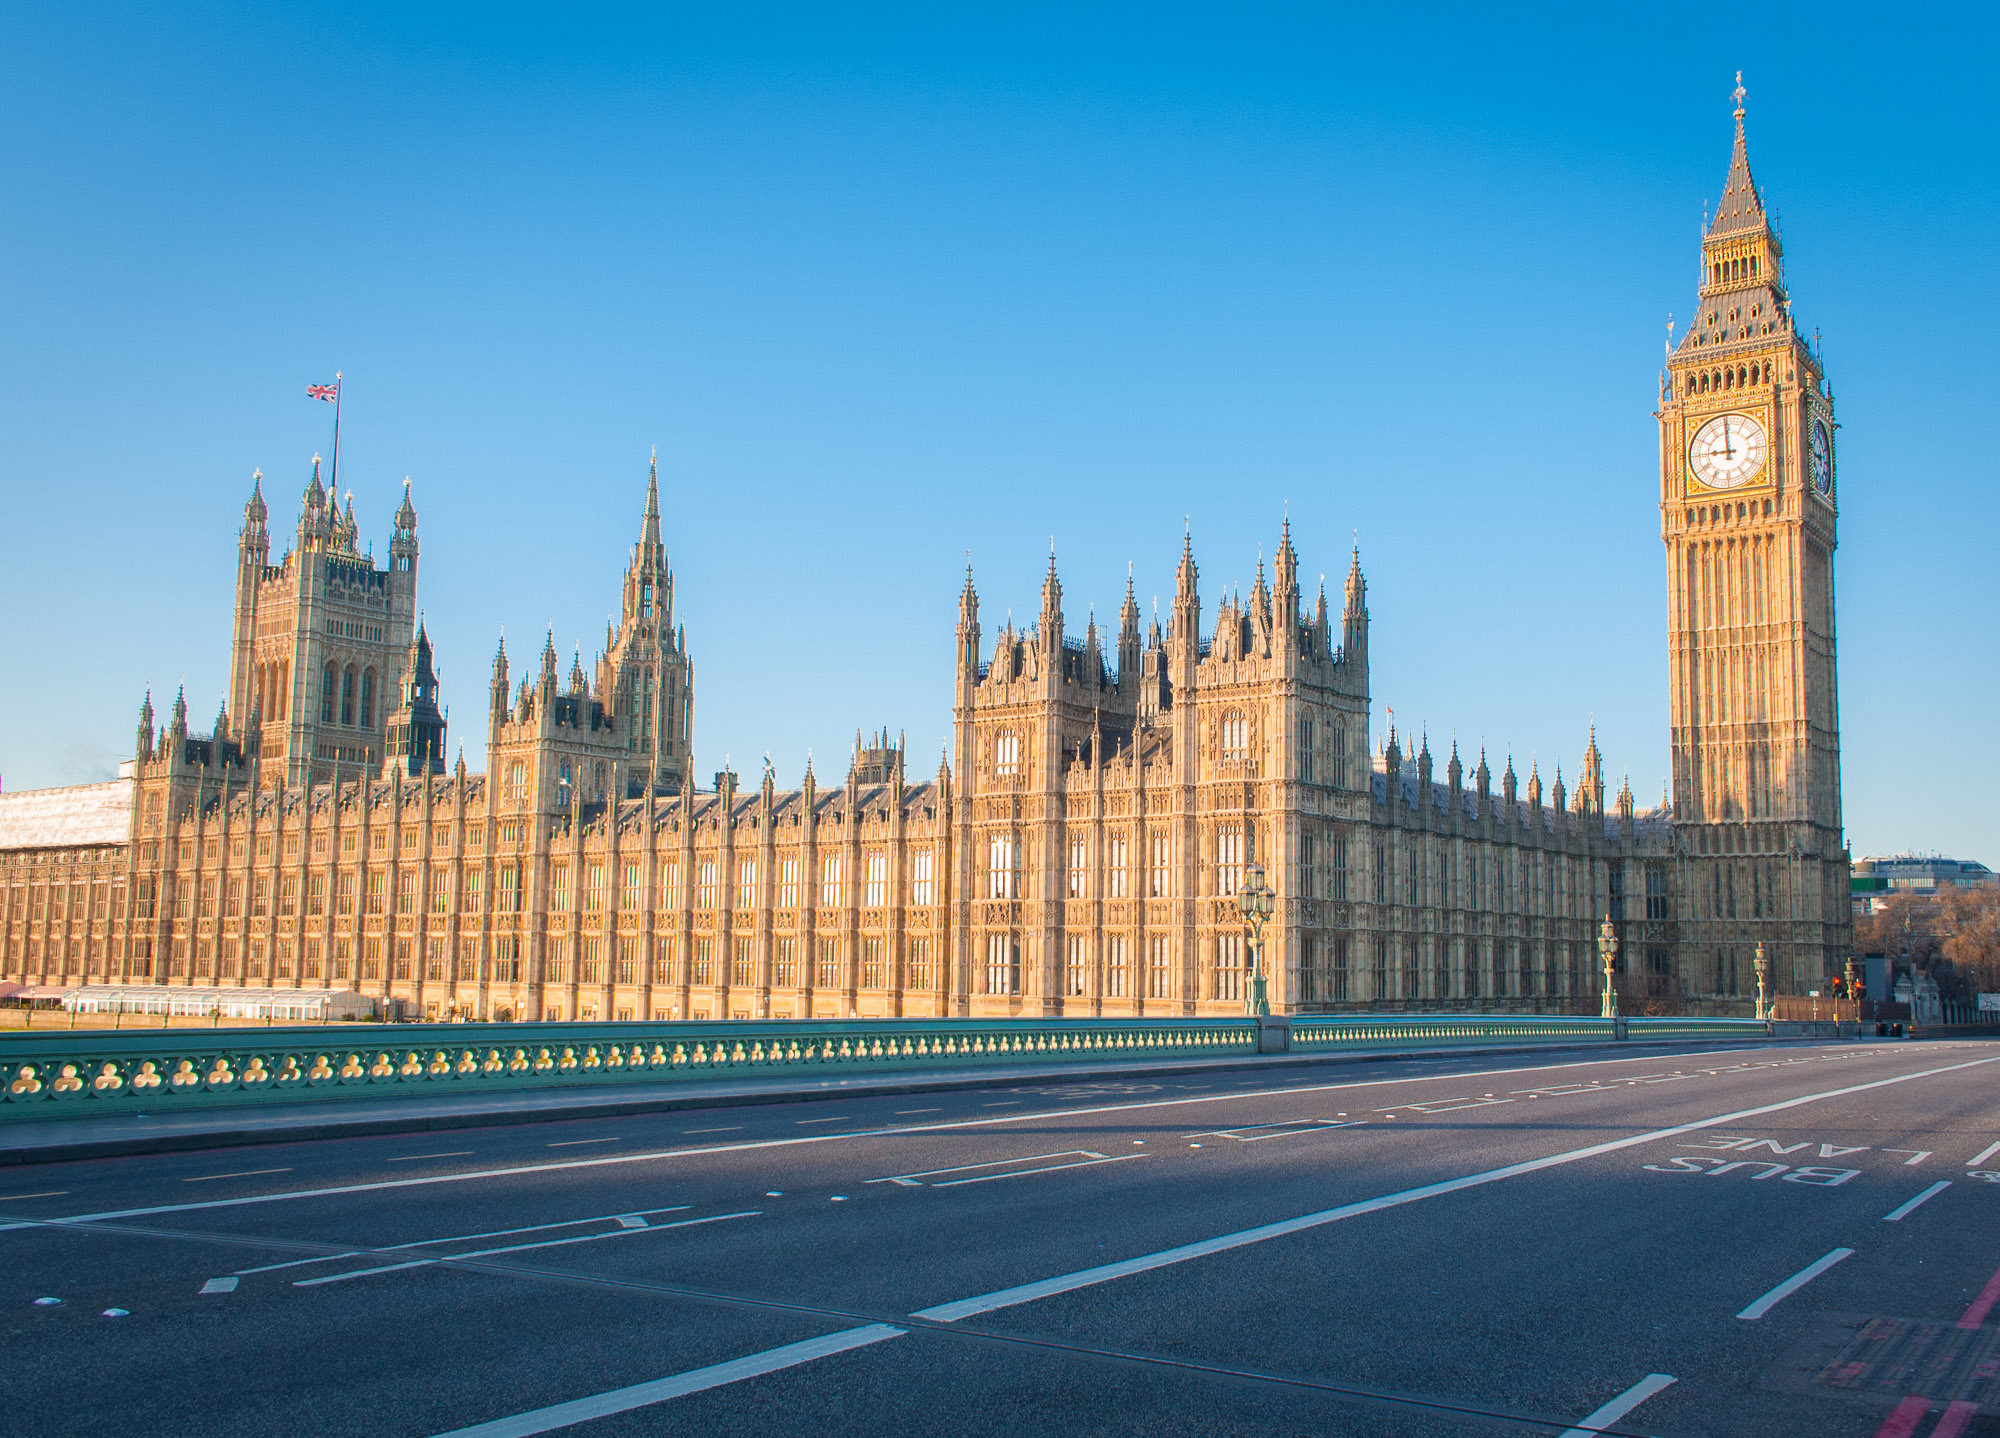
(1080, 849)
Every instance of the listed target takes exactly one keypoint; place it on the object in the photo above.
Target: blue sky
(888, 286)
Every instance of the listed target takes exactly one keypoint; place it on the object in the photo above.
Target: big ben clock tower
(1748, 508)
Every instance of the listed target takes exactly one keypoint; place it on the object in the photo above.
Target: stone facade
(1079, 850)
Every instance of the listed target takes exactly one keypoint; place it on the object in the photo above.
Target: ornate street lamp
(1607, 953)
(1255, 899)
(1763, 984)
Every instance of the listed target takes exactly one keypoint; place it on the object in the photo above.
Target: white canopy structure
(294, 1005)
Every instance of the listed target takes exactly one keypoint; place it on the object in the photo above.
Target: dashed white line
(1618, 1407)
(733, 1128)
(1793, 1284)
(578, 1142)
(1983, 1154)
(640, 1395)
(520, 1248)
(835, 1118)
(1899, 1213)
(416, 1157)
(218, 1285)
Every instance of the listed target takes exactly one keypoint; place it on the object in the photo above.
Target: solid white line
(517, 1248)
(1983, 1154)
(580, 1142)
(1052, 1168)
(1897, 1215)
(751, 1145)
(639, 1395)
(1063, 1283)
(415, 1157)
(1621, 1405)
(994, 1163)
(218, 1285)
(1793, 1284)
(247, 1173)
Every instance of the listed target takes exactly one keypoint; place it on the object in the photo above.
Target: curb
(309, 1128)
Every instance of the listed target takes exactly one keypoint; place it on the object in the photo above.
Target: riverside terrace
(75, 1073)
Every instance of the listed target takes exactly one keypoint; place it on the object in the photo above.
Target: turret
(968, 626)
(1052, 619)
(256, 537)
(1590, 789)
(1354, 619)
(1508, 788)
(1285, 593)
(1128, 634)
(1454, 775)
(1482, 779)
(1184, 626)
(548, 679)
(500, 682)
(145, 745)
(403, 539)
(1534, 785)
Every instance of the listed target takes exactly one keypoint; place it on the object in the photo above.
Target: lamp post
(1763, 984)
(1607, 953)
(1254, 899)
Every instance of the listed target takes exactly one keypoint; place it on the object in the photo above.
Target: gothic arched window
(328, 682)
(1007, 754)
(347, 696)
(368, 699)
(1234, 732)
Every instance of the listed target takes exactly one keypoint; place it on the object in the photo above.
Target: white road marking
(218, 1285)
(906, 1112)
(733, 1128)
(16, 1197)
(1793, 1284)
(640, 1395)
(519, 1248)
(466, 1238)
(579, 1142)
(1898, 1214)
(414, 1157)
(751, 1145)
(1064, 1283)
(1618, 1407)
(630, 1220)
(834, 1118)
(1983, 1154)
(1921, 1155)
(1256, 1132)
(1084, 1158)
(247, 1173)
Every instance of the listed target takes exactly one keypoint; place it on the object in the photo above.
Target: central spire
(1741, 209)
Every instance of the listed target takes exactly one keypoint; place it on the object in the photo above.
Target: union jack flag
(327, 392)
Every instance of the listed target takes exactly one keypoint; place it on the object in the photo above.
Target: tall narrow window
(923, 884)
(704, 892)
(1007, 755)
(595, 887)
(1162, 866)
(1234, 731)
(1114, 866)
(871, 964)
(1079, 871)
(746, 884)
(875, 892)
(919, 975)
(368, 699)
(1078, 966)
(329, 683)
(1228, 861)
(829, 880)
(1001, 867)
(1114, 967)
(347, 696)
(1306, 738)
(1228, 966)
(788, 882)
(1159, 973)
(785, 962)
(1003, 964)
(828, 975)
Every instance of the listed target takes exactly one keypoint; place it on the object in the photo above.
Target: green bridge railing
(75, 1073)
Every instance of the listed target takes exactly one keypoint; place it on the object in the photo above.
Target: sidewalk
(118, 1135)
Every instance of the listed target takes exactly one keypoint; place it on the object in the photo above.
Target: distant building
(1877, 879)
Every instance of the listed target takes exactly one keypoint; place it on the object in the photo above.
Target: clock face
(1728, 451)
(1822, 460)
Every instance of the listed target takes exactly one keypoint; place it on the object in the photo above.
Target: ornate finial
(1738, 93)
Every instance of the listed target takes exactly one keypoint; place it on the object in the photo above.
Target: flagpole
(336, 439)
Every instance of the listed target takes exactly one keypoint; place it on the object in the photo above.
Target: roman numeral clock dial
(1728, 451)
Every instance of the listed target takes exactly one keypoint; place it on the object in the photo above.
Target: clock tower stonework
(1748, 510)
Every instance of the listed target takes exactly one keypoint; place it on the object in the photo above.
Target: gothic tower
(1747, 513)
(321, 638)
(645, 675)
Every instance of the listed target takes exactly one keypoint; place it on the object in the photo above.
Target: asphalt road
(1445, 1246)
